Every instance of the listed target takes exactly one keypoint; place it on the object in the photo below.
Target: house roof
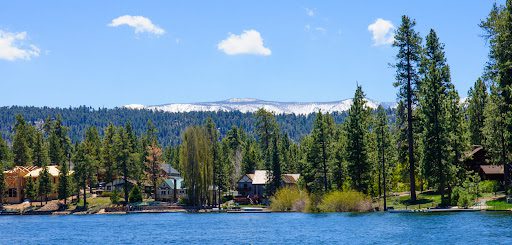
(492, 169)
(20, 170)
(167, 168)
(290, 178)
(52, 170)
(170, 183)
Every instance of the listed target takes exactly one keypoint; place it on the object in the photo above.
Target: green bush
(345, 201)
(289, 199)
(135, 195)
(114, 197)
(106, 194)
(489, 186)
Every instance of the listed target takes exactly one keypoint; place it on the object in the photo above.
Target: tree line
(421, 145)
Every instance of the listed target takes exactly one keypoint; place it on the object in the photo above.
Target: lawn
(423, 200)
(94, 204)
(499, 204)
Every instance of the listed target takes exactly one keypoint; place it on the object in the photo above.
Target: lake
(274, 228)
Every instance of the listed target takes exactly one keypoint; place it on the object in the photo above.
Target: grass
(93, 204)
(499, 204)
(423, 200)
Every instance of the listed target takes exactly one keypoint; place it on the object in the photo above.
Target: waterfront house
(16, 179)
(171, 189)
(476, 160)
(254, 184)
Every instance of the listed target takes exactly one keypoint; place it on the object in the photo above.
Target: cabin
(492, 172)
(254, 184)
(476, 160)
(17, 177)
(118, 185)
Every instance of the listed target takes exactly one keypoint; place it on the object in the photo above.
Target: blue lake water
(274, 228)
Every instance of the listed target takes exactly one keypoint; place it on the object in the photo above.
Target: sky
(113, 53)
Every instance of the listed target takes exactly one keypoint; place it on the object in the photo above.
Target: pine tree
(357, 128)
(83, 169)
(40, 150)
(275, 171)
(59, 142)
(435, 79)
(495, 131)
(45, 184)
(21, 142)
(64, 189)
(477, 98)
(108, 155)
(5, 152)
(498, 32)
(30, 189)
(408, 42)
(92, 144)
(320, 151)
(383, 147)
(2, 185)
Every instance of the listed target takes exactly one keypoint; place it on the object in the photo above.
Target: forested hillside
(169, 125)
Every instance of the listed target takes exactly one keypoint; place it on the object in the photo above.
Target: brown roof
(288, 179)
(492, 169)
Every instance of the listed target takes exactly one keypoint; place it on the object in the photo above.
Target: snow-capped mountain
(252, 105)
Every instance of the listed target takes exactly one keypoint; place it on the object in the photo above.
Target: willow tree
(408, 42)
(196, 164)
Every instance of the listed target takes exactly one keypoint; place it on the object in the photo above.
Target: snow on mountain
(252, 105)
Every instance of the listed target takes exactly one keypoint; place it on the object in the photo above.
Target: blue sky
(99, 53)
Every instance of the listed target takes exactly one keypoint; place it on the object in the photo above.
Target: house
(492, 172)
(254, 184)
(171, 189)
(118, 185)
(17, 177)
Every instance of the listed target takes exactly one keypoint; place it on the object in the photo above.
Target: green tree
(31, 189)
(108, 154)
(2, 185)
(383, 141)
(45, 184)
(320, 151)
(135, 195)
(357, 128)
(196, 163)
(21, 142)
(83, 169)
(498, 32)
(40, 150)
(59, 142)
(153, 161)
(64, 189)
(408, 42)
(275, 172)
(435, 79)
(477, 98)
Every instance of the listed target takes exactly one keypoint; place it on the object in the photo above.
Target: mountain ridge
(252, 105)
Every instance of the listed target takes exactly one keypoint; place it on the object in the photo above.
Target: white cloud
(382, 32)
(139, 23)
(249, 42)
(12, 47)
(310, 12)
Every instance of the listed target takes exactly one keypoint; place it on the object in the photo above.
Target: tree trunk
(85, 195)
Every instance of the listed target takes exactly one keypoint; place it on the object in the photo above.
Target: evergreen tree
(64, 189)
(5, 152)
(250, 159)
(108, 154)
(383, 146)
(59, 142)
(92, 144)
(320, 152)
(498, 32)
(2, 185)
(275, 171)
(40, 150)
(495, 132)
(434, 105)
(21, 142)
(408, 42)
(45, 184)
(83, 169)
(476, 105)
(217, 167)
(357, 128)
(30, 189)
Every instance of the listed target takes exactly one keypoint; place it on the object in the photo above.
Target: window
(163, 192)
(245, 185)
(13, 192)
(109, 188)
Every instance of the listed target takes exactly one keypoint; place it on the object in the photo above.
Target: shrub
(135, 195)
(289, 199)
(489, 186)
(114, 197)
(345, 201)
